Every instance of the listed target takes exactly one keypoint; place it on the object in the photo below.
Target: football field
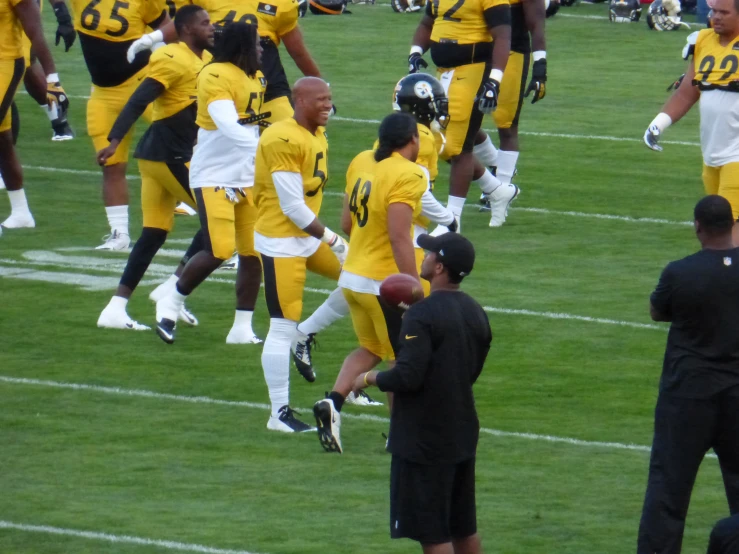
(114, 442)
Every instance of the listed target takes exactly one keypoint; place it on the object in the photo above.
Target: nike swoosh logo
(214, 75)
(460, 78)
(409, 337)
(286, 140)
(129, 325)
(417, 175)
(169, 55)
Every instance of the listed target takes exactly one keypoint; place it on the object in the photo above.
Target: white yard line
(119, 539)
(264, 407)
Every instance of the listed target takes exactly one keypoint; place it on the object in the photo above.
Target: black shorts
(432, 504)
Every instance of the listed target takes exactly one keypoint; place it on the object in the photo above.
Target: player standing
(230, 92)
(470, 43)
(383, 205)
(106, 29)
(18, 17)
(291, 172)
(711, 78)
(163, 153)
(527, 32)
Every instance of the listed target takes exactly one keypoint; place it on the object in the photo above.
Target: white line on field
(125, 539)
(254, 405)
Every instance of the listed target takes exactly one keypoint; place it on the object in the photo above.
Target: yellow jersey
(173, 131)
(107, 28)
(715, 65)
(395, 180)
(428, 152)
(225, 81)
(287, 146)
(11, 31)
(174, 5)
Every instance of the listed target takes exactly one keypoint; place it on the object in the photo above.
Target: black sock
(149, 243)
(337, 399)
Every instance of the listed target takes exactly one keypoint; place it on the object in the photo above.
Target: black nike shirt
(700, 295)
(443, 343)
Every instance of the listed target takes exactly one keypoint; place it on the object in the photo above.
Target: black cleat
(165, 330)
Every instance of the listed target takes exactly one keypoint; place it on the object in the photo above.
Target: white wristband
(416, 50)
(496, 75)
(52, 78)
(662, 121)
(156, 36)
(539, 55)
(329, 237)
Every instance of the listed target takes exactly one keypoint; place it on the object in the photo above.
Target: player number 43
(358, 201)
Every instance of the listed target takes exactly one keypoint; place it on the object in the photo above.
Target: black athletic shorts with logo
(432, 504)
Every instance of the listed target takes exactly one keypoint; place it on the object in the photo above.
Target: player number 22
(358, 201)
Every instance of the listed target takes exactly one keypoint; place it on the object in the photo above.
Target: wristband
(52, 78)
(156, 36)
(662, 121)
(416, 50)
(329, 237)
(496, 75)
(539, 55)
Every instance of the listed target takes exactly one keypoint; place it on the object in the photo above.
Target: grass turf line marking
(265, 407)
(125, 539)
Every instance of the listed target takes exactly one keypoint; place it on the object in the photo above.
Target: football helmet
(552, 7)
(422, 96)
(407, 6)
(624, 11)
(302, 8)
(665, 15)
(327, 7)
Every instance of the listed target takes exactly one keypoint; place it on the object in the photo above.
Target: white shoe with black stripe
(328, 423)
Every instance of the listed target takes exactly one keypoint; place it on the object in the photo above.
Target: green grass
(211, 474)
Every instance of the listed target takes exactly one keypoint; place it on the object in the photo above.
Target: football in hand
(401, 291)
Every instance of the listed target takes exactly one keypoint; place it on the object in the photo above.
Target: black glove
(416, 62)
(453, 226)
(676, 84)
(538, 84)
(65, 29)
(488, 97)
(333, 110)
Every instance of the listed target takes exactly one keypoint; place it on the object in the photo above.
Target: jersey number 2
(449, 14)
(358, 201)
(90, 17)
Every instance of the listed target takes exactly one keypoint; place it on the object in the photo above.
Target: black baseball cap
(454, 251)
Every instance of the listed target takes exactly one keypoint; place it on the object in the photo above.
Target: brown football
(401, 291)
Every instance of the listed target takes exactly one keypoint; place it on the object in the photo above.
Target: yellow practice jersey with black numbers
(395, 180)
(287, 146)
(462, 21)
(273, 18)
(173, 131)
(174, 5)
(428, 152)
(716, 66)
(11, 31)
(225, 81)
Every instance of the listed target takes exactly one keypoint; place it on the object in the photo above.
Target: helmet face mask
(624, 11)
(664, 16)
(423, 97)
(407, 6)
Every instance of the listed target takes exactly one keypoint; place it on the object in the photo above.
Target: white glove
(337, 244)
(142, 44)
(655, 129)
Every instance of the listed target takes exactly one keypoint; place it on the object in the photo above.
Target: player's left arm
(65, 28)
(421, 40)
(659, 301)
(29, 15)
(498, 19)
(399, 222)
(674, 109)
(164, 32)
(535, 15)
(295, 46)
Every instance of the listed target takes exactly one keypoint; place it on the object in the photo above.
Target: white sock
(456, 205)
(18, 202)
(171, 282)
(488, 182)
(334, 308)
(242, 319)
(276, 362)
(51, 112)
(118, 218)
(171, 308)
(119, 303)
(486, 152)
(506, 165)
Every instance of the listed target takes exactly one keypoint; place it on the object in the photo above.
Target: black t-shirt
(443, 343)
(700, 295)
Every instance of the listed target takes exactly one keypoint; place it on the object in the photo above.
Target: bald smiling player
(291, 171)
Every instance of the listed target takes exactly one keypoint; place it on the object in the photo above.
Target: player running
(163, 155)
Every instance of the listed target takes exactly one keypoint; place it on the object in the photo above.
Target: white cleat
(286, 422)
(363, 399)
(240, 335)
(499, 201)
(115, 242)
(111, 318)
(328, 422)
(232, 264)
(19, 220)
(184, 209)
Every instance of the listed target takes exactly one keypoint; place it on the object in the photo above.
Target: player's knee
(152, 239)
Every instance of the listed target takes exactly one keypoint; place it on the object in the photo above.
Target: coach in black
(698, 404)
(444, 340)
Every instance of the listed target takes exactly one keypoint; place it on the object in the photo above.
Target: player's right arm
(684, 97)
(295, 46)
(535, 15)
(421, 40)
(65, 27)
